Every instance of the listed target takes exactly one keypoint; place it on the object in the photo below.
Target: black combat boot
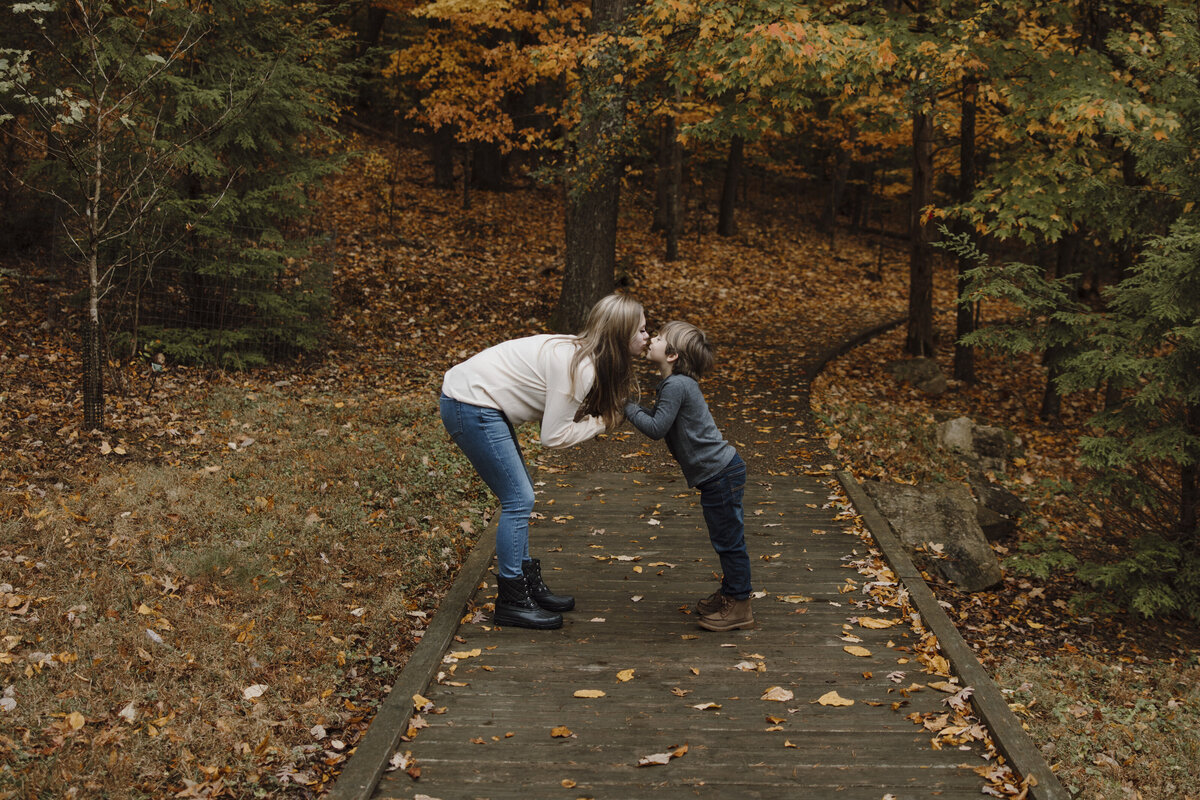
(517, 609)
(540, 592)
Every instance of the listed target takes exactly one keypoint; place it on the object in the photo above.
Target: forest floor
(208, 597)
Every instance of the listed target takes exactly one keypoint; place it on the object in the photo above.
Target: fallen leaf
(778, 694)
(855, 650)
(872, 622)
(705, 706)
(75, 720)
(589, 693)
(560, 732)
(834, 699)
(625, 675)
(256, 690)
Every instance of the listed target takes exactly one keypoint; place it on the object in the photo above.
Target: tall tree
(592, 182)
(90, 89)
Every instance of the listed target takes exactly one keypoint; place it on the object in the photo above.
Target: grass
(221, 623)
(1120, 730)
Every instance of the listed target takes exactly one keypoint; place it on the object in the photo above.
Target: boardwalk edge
(365, 767)
(1010, 737)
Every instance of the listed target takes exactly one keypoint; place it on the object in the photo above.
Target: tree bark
(1189, 484)
(671, 188)
(442, 151)
(964, 355)
(919, 338)
(593, 189)
(726, 226)
(1051, 410)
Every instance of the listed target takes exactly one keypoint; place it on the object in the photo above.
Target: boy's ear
(672, 358)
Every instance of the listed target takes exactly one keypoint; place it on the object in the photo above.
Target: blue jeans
(721, 500)
(489, 440)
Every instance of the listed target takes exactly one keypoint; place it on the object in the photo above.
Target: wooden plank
(522, 682)
(1006, 729)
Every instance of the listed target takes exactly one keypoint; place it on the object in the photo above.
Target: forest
(245, 221)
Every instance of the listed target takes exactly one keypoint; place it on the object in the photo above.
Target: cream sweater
(529, 379)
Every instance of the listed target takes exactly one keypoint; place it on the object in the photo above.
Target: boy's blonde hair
(691, 345)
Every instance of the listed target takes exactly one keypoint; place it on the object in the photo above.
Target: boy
(680, 414)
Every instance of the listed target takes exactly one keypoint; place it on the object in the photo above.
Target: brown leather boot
(731, 615)
(708, 605)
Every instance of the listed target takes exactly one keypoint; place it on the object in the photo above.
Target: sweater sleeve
(559, 428)
(658, 420)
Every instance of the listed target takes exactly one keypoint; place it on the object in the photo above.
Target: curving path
(745, 714)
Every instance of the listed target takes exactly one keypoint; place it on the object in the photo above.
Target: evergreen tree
(173, 134)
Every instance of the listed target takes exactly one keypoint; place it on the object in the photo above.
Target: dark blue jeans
(488, 439)
(721, 499)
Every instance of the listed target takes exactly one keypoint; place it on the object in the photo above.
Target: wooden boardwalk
(633, 550)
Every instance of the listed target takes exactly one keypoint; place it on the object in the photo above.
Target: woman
(576, 387)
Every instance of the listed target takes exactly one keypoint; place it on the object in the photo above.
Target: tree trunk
(733, 174)
(964, 355)
(1066, 252)
(442, 150)
(591, 236)
(919, 338)
(837, 188)
(671, 187)
(93, 366)
(487, 167)
(93, 362)
(593, 188)
(1189, 484)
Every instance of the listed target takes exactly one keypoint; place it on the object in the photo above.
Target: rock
(996, 443)
(923, 373)
(995, 527)
(999, 509)
(944, 516)
(956, 434)
(981, 446)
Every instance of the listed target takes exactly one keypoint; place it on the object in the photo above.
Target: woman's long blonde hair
(610, 327)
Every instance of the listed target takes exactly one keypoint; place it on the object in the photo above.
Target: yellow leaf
(75, 720)
(706, 706)
(589, 693)
(834, 699)
(943, 686)
(466, 653)
(625, 675)
(855, 650)
(872, 622)
(778, 694)
(567, 783)
(420, 703)
(145, 609)
(560, 732)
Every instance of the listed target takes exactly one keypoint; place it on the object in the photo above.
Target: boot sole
(549, 625)
(709, 626)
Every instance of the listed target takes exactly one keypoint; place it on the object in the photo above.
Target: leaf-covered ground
(207, 598)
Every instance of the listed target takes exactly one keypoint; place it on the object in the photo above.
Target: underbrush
(227, 623)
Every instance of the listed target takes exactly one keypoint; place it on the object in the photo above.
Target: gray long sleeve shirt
(681, 415)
